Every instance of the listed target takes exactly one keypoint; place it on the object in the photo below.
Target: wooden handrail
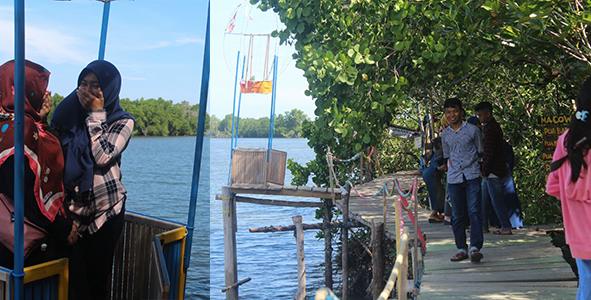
(399, 271)
(177, 235)
(58, 267)
(398, 277)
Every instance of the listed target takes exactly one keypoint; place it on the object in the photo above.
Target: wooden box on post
(250, 166)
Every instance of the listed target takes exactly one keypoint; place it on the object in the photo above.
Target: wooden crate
(276, 167)
(250, 166)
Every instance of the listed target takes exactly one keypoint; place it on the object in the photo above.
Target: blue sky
(158, 47)
(290, 83)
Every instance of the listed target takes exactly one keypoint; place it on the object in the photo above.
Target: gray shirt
(462, 149)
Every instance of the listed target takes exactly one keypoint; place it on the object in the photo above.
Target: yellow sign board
(552, 128)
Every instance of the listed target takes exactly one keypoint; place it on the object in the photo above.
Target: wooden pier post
(328, 282)
(415, 250)
(377, 259)
(345, 246)
(397, 222)
(299, 235)
(230, 261)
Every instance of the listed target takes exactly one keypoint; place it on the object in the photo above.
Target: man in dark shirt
(494, 164)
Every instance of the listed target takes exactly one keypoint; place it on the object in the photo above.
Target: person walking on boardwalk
(462, 147)
(570, 181)
(494, 166)
(94, 132)
(432, 177)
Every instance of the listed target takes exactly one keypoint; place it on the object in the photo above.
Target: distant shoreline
(213, 137)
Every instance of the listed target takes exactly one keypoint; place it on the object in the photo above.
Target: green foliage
(159, 117)
(287, 125)
(55, 100)
(300, 174)
(370, 64)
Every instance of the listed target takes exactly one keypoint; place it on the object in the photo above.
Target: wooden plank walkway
(366, 208)
(274, 189)
(522, 266)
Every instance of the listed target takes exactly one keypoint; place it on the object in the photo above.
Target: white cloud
(133, 78)
(44, 44)
(183, 41)
(189, 40)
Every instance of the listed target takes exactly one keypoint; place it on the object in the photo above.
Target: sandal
(502, 232)
(435, 219)
(459, 256)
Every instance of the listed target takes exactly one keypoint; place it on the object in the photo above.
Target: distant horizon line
(311, 117)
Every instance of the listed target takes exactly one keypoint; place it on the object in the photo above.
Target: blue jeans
(488, 217)
(432, 179)
(512, 201)
(584, 266)
(464, 197)
(496, 191)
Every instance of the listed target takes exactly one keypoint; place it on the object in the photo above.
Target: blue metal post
(239, 106)
(198, 145)
(234, 103)
(103, 42)
(272, 118)
(235, 118)
(19, 155)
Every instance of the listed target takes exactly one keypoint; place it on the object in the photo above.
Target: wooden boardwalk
(273, 189)
(522, 266)
(366, 208)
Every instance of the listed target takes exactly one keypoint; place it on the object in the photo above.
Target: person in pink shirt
(570, 181)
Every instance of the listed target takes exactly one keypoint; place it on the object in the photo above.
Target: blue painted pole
(235, 118)
(19, 155)
(273, 100)
(234, 103)
(103, 42)
(239, 105)
(198, 145)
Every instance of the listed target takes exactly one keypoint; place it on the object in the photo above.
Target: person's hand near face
(46, 106)
(90, 94)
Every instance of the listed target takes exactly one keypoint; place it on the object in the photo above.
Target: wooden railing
(148, 264)
(48, 280)
(4, 283)
(42, 280)
(173, 252)
(407, 253)
(143, 269)
(399, 276)
(167, 281)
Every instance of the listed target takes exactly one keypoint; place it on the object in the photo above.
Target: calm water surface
(157, 173)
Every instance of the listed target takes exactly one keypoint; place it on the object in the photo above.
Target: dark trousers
(91, 261)
(466, 207)
(495, 192)
(432, 179)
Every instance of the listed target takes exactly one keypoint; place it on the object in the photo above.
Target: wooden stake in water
(299, 235)
(230, 261)
(345, 244)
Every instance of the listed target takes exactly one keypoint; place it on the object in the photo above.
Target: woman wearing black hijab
(94, 131)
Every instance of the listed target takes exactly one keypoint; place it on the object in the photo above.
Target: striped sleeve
(107, 141)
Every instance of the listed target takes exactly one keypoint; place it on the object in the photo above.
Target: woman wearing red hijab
(44, 164)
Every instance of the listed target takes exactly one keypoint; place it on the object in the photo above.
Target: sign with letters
(552, 128)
